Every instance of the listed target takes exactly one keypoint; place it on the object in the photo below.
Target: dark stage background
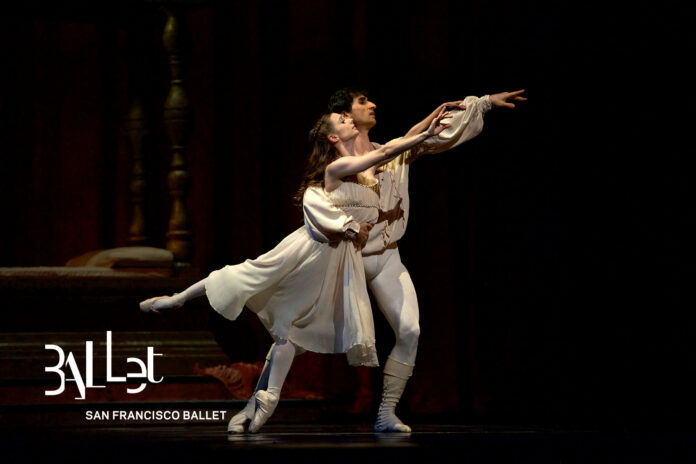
(552, 255)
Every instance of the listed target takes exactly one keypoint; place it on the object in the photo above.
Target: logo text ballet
(144, 371)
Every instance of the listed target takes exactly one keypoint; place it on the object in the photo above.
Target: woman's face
(343, 127)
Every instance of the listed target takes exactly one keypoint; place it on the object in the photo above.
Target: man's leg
(393, 289)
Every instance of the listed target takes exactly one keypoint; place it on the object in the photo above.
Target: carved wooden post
(136, 130)
(177, 119)
(137, 125)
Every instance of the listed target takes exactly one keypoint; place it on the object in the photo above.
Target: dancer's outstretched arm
(498, 100)
(466, 121)
(349, 165)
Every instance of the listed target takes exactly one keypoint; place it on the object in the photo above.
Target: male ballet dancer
(386, 276)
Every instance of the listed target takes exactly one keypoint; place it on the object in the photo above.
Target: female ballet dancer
(310, 295)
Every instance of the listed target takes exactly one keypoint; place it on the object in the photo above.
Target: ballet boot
(159, 303)
(266, 402)
(236, 424)
(396, 375)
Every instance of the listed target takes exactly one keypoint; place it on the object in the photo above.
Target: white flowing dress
(310, 292)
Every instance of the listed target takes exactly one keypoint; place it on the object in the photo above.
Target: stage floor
(347, 443)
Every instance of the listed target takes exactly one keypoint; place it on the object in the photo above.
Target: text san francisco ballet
(158, 415)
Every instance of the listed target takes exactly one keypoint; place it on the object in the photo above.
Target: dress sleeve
(465, 125)
(326, 222)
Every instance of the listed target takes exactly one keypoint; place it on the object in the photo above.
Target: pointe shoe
(149, 305)
(266, 403)
(146, 306)
(236, 424)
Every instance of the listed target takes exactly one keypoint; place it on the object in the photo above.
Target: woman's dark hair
(342, 100)
(322, 155)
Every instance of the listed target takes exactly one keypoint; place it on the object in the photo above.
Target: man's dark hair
(342, 100)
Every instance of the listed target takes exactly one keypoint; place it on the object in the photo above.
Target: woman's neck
(346, 148)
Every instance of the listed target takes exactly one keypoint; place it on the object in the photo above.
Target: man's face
(363, 112)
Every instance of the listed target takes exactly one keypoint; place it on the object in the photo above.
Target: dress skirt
(310, 293)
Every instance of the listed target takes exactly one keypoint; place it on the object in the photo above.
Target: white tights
(281, 359)
(275, 370)
(267, 400)
(393, 289)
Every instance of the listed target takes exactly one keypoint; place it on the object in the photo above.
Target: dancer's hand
(360, 238)
(456, 105)
(499, 100)
(423, 125)
(436, 125)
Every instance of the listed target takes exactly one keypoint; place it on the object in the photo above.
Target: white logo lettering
(146, 371)
(56, 369)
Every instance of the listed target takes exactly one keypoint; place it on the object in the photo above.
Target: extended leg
(163, 303)
(396, 297)
(282, 356)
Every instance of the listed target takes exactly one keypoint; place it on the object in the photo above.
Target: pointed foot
(147, 305)
(239, 420)
(265, 406)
